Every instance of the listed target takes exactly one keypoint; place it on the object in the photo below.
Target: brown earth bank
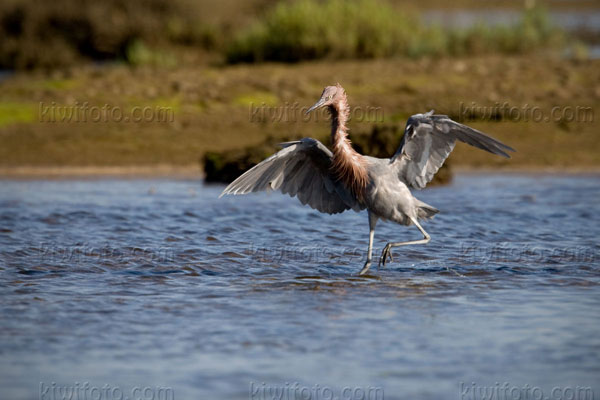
(193, 172)
(125, 117)
(103, 172)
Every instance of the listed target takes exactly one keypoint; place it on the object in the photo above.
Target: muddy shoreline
(191, 172)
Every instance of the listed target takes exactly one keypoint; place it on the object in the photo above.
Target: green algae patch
(59, 84)
(16, 113)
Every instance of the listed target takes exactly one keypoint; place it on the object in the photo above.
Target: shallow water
(160, 284)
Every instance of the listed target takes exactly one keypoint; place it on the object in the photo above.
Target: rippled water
(160, 283)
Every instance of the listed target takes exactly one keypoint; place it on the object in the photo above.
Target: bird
(340, 179)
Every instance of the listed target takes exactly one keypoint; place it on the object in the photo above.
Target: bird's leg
(387, 250)
(372, 222)
(367, 265)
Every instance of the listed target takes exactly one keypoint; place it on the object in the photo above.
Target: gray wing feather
(302, 169)
(429, 139)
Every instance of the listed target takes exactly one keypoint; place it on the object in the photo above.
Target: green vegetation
(58, 84)
(308, 29)
(62, 33)
(13, 113)
(311, 29)
(137, 53)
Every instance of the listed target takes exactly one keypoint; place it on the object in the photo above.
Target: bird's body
(342, 179)
(389, 198)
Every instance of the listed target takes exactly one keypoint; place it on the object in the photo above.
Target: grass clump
(308, 29)
(138, 53)
(312, 29)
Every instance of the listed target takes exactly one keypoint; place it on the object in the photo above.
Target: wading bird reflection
(342, 179)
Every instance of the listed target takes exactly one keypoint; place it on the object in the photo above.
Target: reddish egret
(342, 179)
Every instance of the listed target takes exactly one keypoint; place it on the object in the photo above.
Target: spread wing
(428, 140)
(301, 168)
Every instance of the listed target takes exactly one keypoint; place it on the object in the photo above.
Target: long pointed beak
(318, 104)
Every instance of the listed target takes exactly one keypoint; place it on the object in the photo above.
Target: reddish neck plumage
(348, 165)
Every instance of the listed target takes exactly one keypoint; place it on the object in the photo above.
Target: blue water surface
(160, 284)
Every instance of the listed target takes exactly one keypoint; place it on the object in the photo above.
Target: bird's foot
(387, 252)
(365, 268)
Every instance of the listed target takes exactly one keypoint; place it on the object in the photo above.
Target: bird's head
(330, 95)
